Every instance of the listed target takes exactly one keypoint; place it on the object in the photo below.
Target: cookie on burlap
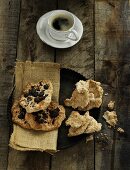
(87, 95)
(37, 96)
(47, 120)
(18, 115)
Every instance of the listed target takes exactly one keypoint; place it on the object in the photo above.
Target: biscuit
(37, 96)
(86, 124)
(87, 95)
(47, 120)
(18, 115)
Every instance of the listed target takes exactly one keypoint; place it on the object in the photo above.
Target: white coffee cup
(61, 26)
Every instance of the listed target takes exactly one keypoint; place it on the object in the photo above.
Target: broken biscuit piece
(111, 118)
(120, 130)
(76, 120)
(93, 126)
(87, 95)
(111, 105)
(89, 138)
(80, 124)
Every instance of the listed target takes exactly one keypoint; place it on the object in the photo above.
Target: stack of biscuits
(35, 108)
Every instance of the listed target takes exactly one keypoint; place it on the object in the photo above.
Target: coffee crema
(61, 24)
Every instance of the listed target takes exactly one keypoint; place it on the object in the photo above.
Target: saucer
(44, 35)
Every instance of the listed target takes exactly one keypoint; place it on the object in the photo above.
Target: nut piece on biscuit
(80, 124)
(37, 96)
(111, 118)
(87, 95)
(111, 105)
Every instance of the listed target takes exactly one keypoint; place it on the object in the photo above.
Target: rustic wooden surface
(102, 54)
(9, 14)
(112, 61)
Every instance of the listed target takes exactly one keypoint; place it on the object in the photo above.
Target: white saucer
(44, 35)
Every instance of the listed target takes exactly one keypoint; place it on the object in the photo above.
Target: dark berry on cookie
(29, 98)
(40, 83)
(41, 93)
(34, 92)
(41, 120)
(45, 96)
(37, 99)
(53, 121)
(44, 116)
(54, 113)
(40, 116)
(22, 113)
(46, 86)
(26, 94)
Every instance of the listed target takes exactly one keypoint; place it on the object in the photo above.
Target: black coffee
(61, 24)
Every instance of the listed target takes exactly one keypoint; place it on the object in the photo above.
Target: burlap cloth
(23, 139)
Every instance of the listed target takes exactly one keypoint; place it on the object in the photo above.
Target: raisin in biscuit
(87, 95)
(37, 96)
(47, 120)
(18, 115)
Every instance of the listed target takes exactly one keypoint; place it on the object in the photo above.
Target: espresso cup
(61, 26)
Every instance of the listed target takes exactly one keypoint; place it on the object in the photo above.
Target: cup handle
(73, 35)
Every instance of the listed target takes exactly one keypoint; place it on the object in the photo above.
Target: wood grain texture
(30, 47)
(81, 56)
(74, 158)
(81, 59)
(28, 160)
(122, 142)
(9, 12)
(112, 69)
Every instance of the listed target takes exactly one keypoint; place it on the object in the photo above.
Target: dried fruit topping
(46, 86)
(54, 113)
(22, 113)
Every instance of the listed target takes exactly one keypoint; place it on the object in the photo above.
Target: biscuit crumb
(89, 138)
(103, 140)
(111, 118)
(120, 130)
(111, 105)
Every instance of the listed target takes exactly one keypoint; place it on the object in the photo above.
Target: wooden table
(102, 54)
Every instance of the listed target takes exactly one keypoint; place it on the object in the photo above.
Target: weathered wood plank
(9, 11)
(122, 142)
(30, 47)
(79, 58)
(112, 69)
(75, 158)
